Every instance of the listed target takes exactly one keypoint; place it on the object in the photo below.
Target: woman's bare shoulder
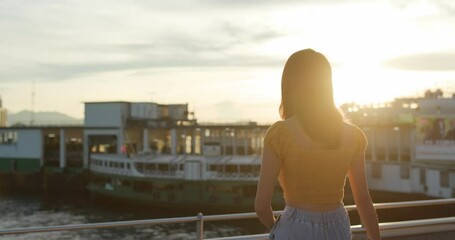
(277, 124)
(358, 133)
(275, 127)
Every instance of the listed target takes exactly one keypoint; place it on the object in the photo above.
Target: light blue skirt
(296, 223)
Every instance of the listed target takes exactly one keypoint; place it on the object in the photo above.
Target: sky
(222, 57)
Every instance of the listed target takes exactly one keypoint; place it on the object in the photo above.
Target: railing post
(200, 227)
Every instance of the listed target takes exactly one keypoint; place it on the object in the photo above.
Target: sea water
(22, 211)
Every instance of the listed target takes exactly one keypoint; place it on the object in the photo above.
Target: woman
(311, 151)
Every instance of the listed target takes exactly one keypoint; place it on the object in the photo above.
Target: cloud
(79, 39)
(443, 6)
(211, 4)
(218, 38)
(59, 40)
(61, 71)
(447, 6)
(424, 62)
(174, 50)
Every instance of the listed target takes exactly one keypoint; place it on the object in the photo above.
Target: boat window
(214, 168)
(140, 166)
(246, 168)
(231, 168)
(163, 167)
(150, 167)
(173, 167)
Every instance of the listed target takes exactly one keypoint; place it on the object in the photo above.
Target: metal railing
(200, 219)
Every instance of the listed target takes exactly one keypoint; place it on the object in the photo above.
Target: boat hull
(214, 196)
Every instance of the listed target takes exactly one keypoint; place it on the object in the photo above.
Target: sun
(365, 83)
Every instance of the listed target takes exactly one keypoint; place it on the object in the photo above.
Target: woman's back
(312, 176)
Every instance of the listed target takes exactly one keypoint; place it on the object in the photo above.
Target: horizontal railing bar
(359, 229)
(99, 225)
(261, 236)
(416, 223)
(407, 224)
(417, 203)
(219, 217)
(236, 216)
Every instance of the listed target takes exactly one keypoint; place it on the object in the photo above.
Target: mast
(32, 111)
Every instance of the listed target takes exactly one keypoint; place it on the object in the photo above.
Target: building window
(9, 137)
(405, 171)
(406, 155)
(444, 178)
(423, 176)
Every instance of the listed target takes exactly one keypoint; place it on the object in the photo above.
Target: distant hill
(42, 118)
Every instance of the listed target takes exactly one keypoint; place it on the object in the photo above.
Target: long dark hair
(307, 92)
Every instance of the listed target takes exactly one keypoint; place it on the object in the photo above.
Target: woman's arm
(359, 186)
(270, 168)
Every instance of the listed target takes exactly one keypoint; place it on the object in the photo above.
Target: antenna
(32, 112)
(192, 113)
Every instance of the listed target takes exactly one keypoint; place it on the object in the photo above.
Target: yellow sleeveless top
(312, 176)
